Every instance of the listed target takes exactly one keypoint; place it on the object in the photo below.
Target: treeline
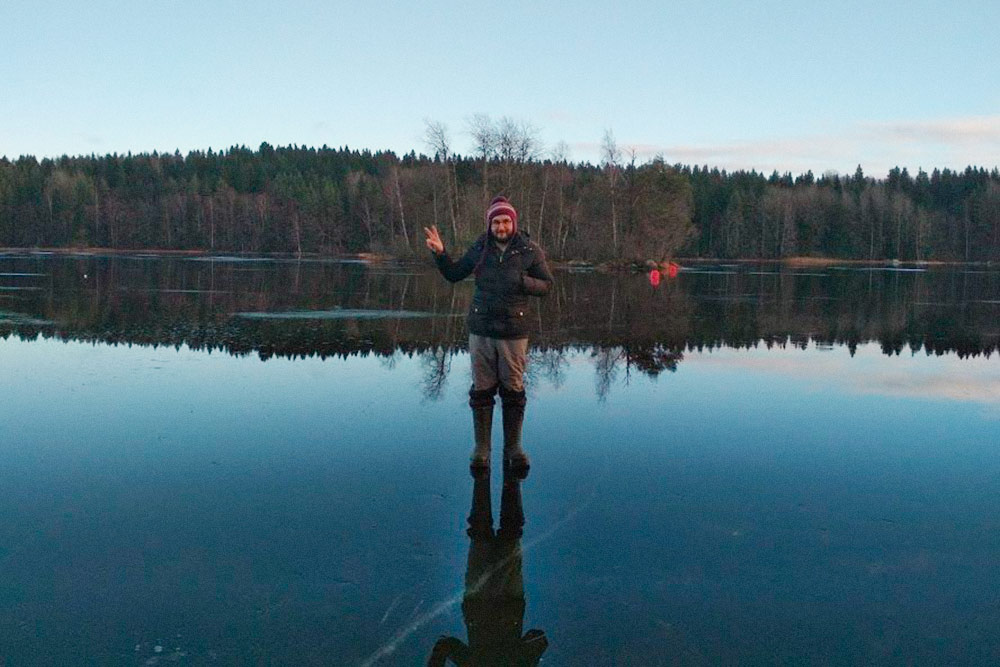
(945, 215)
(334, 200)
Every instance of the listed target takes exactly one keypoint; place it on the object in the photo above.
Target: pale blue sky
(786, 85)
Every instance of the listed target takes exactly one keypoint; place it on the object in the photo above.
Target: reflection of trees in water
(436, 364)
(619, 319)
(548, 363)
(606, 365)
(611, 362)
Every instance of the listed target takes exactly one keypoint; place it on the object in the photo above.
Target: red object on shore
(672, 269)
(654, 277)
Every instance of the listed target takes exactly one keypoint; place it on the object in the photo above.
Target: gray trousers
(498, 361)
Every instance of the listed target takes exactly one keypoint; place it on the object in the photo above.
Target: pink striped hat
(500, 206)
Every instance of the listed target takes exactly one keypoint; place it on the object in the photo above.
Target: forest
(304, 200)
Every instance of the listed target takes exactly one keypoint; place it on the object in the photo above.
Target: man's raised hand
(434, 240)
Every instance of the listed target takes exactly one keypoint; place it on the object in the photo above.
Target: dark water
(258, 462)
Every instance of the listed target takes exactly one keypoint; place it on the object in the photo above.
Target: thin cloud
(950, 142)
(793, 154)
(585, 147)
(975, 130)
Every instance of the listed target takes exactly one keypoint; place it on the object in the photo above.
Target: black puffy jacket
(503, 283)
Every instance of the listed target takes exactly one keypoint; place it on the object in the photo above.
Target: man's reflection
(493, 605)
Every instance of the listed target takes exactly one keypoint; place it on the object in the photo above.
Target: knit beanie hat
(500, 206)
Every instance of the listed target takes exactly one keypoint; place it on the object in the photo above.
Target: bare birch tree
(436, 138)
(484, 137)
(399, 201)
(610, 158)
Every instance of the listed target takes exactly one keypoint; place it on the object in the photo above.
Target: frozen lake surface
(745, 466)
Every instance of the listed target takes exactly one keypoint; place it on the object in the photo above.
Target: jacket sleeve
(460, 270)
(537, 279)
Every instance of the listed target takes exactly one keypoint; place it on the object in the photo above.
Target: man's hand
(434, 240)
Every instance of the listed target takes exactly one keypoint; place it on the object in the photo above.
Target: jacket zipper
(500, 261)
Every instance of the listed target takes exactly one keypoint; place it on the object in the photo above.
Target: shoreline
(579, 264)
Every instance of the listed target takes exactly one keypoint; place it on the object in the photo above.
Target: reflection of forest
(620, 318)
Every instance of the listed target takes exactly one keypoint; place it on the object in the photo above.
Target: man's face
(502, 227)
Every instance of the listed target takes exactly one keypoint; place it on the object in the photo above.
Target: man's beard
(502, 239)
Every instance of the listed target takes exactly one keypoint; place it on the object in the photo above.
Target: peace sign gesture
(434, 240)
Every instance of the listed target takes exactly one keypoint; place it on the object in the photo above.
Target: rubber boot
(481, 514)
(513, 418)
(481, 402)
(511, 509)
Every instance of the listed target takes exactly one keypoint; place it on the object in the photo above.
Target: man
(509, 268)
